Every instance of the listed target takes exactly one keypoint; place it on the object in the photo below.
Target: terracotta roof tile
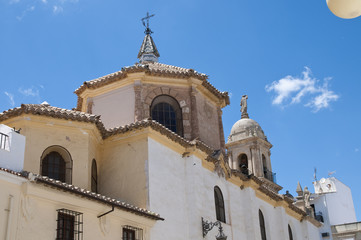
(54, 112)
(84, 193)
(155, 69)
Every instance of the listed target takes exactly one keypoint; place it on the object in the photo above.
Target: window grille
(54, 166)
(4, 141)
(132, 233)
(69, 225)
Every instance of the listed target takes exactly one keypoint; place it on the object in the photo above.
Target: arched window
(166, 111)
(56, 163)
(53, 166)
(262, 225)
(290, 232)
(94, 177)
(243, 163)
(219, 202)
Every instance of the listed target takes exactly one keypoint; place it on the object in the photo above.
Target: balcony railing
(4, 141)
(269, 175)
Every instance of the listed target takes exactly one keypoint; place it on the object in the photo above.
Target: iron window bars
(132, 233)
(69, 225)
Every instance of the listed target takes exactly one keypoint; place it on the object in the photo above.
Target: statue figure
(306, 197)
(244, 113)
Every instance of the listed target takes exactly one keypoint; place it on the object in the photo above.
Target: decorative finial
(148, 51)
(147, 29)
(244, 113)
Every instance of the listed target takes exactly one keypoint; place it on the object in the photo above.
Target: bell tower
(249, 150)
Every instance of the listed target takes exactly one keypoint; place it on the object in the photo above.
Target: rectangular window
(69, 225)
(132, 233)
(4, 141)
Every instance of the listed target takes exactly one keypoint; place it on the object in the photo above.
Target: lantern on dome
(345, 8)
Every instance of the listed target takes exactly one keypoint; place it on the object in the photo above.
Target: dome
(246, 128)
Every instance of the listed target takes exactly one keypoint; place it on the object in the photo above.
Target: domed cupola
(246, 128)
(249, 150)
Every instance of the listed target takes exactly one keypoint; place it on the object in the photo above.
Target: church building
(143, 156)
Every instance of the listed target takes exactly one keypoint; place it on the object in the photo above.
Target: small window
(4, 141)
(132, 233)
(166, 111)
(290, 232)
(56, 163)
(219, 202)
(94, 177)
(53, 166)
(262, 225)
(69, 225)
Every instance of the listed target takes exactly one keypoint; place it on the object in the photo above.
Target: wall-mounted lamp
(345, 8)
(207, 226)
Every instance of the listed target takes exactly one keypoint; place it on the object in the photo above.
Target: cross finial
(147, 30)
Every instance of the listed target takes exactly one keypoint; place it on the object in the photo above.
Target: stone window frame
(176, 108)
(65, 154)
(152, 93)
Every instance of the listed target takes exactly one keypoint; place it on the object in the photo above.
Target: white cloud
(11, 98)
(57, 9)
(56, 6)
(25, 12)
(29, 92)
(292, 90)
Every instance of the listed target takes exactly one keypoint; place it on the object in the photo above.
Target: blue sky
(299, 64)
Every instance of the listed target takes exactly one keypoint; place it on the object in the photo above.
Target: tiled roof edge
(172, 72)
(85, 193)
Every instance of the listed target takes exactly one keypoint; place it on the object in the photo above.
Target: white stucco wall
(341, 203)
(33, 212)
(116, 107)
(12, 156)
(334, 200)
(182, 191)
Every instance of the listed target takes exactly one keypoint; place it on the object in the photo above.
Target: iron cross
(147, 18)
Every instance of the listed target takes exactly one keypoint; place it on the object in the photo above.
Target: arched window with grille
(94, 177)
(56, 163)
(166, 111)
(262, 225)
(219, 202)
(290, 235)
(54, 166)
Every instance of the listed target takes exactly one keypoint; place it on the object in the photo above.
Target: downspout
(9, 210)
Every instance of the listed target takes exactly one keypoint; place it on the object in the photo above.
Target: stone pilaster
(138, 110)
(221, 132)
(194, 113)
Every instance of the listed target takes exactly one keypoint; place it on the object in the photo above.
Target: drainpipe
(9, 217)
